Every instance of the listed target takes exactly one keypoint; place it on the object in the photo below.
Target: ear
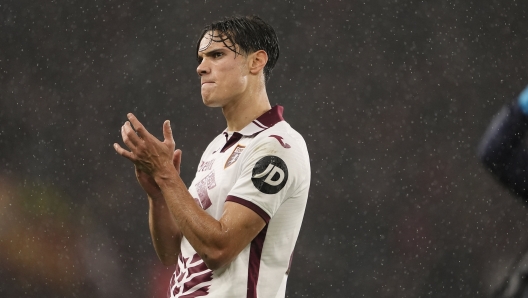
(257, 61)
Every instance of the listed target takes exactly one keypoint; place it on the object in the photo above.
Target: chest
(216, 174)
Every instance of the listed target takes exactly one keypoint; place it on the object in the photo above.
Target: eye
(217, 54)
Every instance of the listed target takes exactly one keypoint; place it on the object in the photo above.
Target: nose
(202, 68)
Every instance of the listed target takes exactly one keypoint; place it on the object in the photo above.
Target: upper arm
(272, 172)
(240, 226)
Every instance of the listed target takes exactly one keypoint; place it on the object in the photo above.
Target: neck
(240, 113)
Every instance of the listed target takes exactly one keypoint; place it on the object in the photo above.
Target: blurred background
(392, 98)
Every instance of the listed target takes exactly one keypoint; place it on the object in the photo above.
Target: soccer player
(233, 231)
(503, 152)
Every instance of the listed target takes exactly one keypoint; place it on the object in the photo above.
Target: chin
(211, 103)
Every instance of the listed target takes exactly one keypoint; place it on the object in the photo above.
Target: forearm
(159, 162)
(166, 236)
(206, 234)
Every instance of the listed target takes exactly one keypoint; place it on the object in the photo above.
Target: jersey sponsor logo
(202, 187)
(279, 138)
(270, 174)
(234, 155)
(206, 165)
(192, 278)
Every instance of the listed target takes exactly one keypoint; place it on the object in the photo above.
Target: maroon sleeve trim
(251, 206)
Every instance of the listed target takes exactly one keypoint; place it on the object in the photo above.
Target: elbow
(213, 265)
(216, 259)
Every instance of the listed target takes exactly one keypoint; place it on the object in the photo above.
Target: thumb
(176, 159)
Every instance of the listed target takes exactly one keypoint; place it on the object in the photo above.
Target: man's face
(223, 73)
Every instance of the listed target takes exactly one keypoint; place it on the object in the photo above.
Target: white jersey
(266, 168)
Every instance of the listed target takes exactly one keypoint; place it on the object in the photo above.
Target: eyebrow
(207, 52)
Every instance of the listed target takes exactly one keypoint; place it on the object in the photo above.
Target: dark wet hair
(249, 33)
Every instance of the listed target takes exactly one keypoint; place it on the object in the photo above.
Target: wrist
(156, 200)
(164, 177)
(155, 196)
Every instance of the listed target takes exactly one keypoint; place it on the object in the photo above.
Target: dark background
(392, 98)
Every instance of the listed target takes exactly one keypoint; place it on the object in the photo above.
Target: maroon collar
(271, 117)
(263, 122)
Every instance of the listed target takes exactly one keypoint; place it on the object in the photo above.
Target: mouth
(204, 83)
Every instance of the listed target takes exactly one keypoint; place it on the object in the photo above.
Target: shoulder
(282, 146)
(281, 138)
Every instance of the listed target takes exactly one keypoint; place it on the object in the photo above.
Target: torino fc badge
(234, 156)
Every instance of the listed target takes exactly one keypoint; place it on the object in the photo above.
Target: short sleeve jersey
(266, 168)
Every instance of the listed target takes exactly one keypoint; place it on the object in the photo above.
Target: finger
(140, 129)
(130, 138)
(127, 154)
(176, 159)
(167, 133)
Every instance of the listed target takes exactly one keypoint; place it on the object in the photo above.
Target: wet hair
(249, 33)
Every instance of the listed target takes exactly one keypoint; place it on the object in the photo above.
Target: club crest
(234, 155)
